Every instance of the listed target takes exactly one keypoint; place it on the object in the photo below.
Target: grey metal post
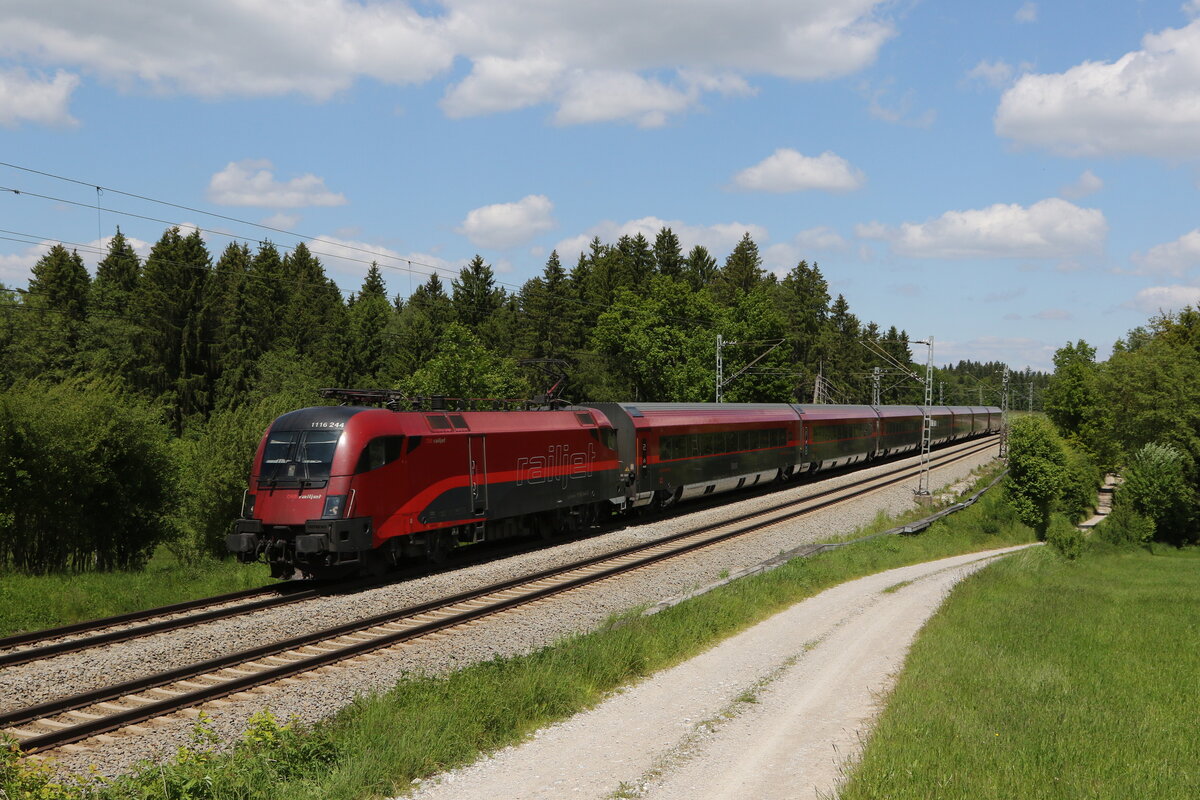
(720, 367)
(1004, 417)
(875, 386)
(926, 422)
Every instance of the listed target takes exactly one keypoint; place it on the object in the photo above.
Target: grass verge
(35, 602)
(380, 744)
(1042, 678)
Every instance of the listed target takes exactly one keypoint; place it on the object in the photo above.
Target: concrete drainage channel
(809, 550)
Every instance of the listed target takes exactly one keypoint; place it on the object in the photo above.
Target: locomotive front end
(298, 509)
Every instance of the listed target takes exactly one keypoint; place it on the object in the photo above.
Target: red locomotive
(353, 488)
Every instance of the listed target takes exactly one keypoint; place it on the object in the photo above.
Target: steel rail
(12, 652)
(85, 626)
(28, 654)
(148, 709)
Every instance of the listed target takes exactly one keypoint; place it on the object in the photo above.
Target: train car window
(413, 443)
(585, 418)
(459, 422)
(664, 448)
(438, 423)
(380, 451)
(608, 437)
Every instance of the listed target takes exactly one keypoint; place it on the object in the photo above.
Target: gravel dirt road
(777, 711)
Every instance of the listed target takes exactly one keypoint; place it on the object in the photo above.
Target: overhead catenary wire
(48, 242)
(425, 268)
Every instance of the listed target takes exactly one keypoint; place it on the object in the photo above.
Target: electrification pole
(926, 422)
(1004, 418)
(720, 367)
(875, 386)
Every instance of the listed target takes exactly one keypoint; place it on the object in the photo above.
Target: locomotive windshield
(293, 457)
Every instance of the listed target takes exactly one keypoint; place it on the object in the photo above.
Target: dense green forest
(139, 393)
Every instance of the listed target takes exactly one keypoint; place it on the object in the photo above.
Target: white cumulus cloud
(505, 225)
(36, 99)
(1172, 258)
(230, 47)
(17, 268)
(1155, 299)
(1027, 13)
(627, 60)
(805, 245)
(719, 239)
(1050, 228)
(251, 182)
(350, 259)
(1147, 102)
(789, 171)
(661, 58)
(996, 74)
(1087, 183)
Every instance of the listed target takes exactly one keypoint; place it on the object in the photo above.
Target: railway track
(28, 647)
(23, 648)
(51, 725)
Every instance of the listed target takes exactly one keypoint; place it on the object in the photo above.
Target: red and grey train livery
(348, 488)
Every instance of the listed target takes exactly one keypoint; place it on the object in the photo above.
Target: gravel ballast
(514, 632)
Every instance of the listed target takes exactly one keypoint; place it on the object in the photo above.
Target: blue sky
(1003, 176)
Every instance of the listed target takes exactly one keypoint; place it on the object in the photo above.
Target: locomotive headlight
(247, 505)
(335, 504)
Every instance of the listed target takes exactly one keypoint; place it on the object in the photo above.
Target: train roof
(644, 414)
(382, 422)
(899, 411)
(817, 411)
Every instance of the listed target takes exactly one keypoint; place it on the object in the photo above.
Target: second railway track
(53, 724)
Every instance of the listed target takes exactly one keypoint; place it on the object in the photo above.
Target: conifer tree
(668, 255)
(700, 268)
(546, 311)
(111, 334)
(270, 294)
(843, 355)
(431, 299)
(742, 271)
(476, 296)
(55, 308)
(168, 304)
(803, 299)
(116, 276)
(230, 303)
(369, 317)
(309, 322)
(638, 260)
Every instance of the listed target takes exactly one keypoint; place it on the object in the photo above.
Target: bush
(1064, 537)
(1156, 486)
(86, 478)
(1125, 527)
(1036, 471)
(1080, 482)
(215, 461)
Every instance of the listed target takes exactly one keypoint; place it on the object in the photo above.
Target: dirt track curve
(774, 712)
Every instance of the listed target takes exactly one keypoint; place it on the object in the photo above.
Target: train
(357, 488)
